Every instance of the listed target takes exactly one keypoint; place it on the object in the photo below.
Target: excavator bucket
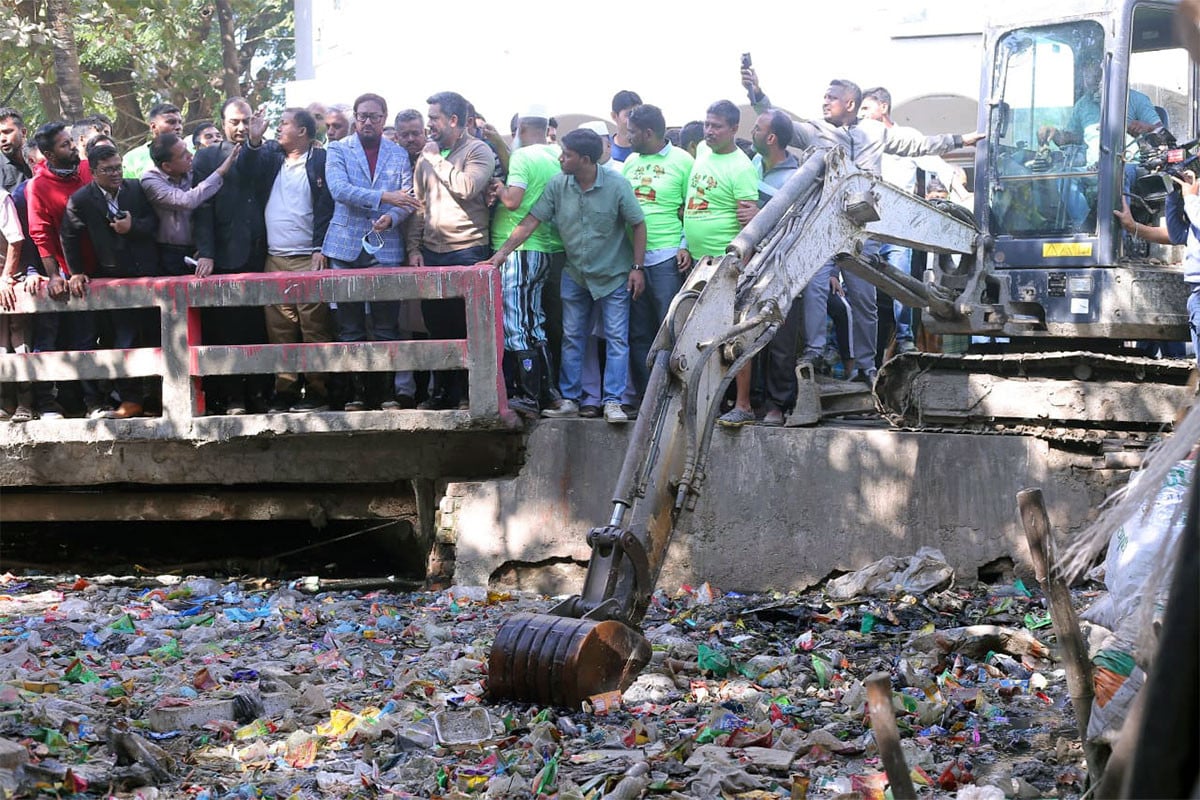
(562, 661)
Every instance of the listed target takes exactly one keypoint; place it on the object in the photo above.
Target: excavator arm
(728, 309)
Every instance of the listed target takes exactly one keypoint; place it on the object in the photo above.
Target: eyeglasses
(369, 117)
(109, 170)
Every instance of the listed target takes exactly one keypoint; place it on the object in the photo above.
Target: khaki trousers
(300, 322)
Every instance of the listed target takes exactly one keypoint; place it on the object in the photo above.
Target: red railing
(183, 359)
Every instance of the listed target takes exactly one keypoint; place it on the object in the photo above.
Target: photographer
(118, 224)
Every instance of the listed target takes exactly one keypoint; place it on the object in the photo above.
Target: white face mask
(372, 243)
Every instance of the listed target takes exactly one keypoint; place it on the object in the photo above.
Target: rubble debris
(214, 689)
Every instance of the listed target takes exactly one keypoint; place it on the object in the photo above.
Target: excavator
(1042, 262)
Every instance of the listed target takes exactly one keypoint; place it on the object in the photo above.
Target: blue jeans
(899, 258)
(577, 305)
(1193, 307)
(646, 314)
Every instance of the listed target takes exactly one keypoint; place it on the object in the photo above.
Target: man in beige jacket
(451, 182)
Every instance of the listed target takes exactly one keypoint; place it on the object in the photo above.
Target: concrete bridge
(488, 498)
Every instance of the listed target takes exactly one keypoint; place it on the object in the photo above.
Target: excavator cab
(1081, 112)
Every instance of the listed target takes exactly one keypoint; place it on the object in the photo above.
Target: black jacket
(130, 255)
(263, 164)
(229, 227)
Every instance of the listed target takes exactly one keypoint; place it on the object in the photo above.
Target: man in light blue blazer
(370, 179)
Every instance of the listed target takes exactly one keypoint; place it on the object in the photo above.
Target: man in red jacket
(56, 179)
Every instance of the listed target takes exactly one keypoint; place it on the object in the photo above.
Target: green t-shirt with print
(660, 184)
(530, 168)
(716, 185)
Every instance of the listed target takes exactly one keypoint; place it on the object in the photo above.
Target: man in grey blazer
(370, 179)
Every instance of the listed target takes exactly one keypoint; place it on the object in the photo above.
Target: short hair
(162, 109)
(47, 133)
(879, 95)
(625, 99)
(101, 152)
(727, 111)
(232, 101)
(368, 97)
(304, 119)
(781, 126)
(201, 128)
(533, 123)
(649, 118)
(849, 89)
(102, 119)
(82, 126)
(586, 143)
(452, 104)
(409, 115)
(339, 108)
(162, 147)
(553, 122)
(8, 112)
(691, 133)
(97, 141)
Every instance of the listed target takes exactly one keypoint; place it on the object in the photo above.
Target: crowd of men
(593, 235)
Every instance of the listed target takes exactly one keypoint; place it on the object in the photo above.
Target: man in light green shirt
(164, 118)
(527, 363)
(658, 173)
(591, 208)
(722, 180)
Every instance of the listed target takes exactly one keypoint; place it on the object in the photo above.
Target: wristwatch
(638, 268)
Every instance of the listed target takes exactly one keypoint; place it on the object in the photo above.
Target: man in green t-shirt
(164, 118)
(722, 181)
(527, 365)
(658, 173)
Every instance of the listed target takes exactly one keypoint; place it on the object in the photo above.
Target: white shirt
(290, 211)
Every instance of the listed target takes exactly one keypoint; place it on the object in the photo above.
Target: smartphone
(746, 64)
(191, 262)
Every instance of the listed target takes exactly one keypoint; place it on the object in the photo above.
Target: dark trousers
(780, 360)
(447, 319)
(66, 332)
(231, 326)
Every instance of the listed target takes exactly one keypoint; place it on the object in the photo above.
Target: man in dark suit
(231, 237)
(111, 222)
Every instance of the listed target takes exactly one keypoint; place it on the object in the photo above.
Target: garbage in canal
(224, 689)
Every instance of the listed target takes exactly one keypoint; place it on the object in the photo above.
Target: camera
(746, 63)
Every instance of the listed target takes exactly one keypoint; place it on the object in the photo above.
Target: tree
(63, 58)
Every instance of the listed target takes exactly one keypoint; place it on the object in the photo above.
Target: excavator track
(1083, 399)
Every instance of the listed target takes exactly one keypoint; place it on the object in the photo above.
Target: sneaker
(736, 418)
(308, 405)
(590, 412)
(614, 414)
(905, 346)
(524, 407)
(867, 376)
(52, 410)
(390, 405)
(355, 405)
(773, 418)
(567, 408)
(236, 408)
(98, 412)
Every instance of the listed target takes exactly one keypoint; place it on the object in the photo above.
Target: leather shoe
(127, 410)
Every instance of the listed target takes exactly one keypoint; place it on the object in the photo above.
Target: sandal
(22, 414)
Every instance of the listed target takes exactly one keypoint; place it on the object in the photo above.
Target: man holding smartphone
(113, 215)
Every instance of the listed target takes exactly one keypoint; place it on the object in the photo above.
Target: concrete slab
(782, 509)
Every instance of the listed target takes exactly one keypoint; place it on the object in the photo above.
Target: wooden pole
(887, 737)
(1066, 623)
